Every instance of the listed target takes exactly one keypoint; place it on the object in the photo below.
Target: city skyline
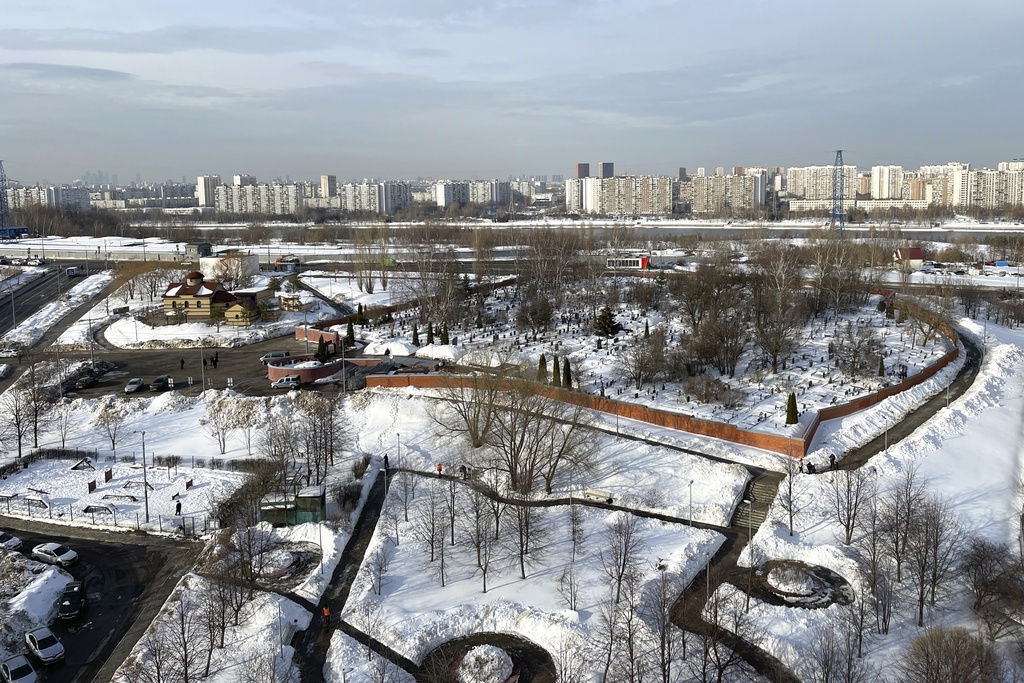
(501, 88)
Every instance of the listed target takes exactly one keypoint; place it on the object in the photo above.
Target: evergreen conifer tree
(350, 334)
(647, 330)
(444, 334)
(605, 324)
(566, 375)
(556, 373)
(321, 351)
(430, 334)
(881, 366)
(415, 335)
(791, 416)
(542, 369)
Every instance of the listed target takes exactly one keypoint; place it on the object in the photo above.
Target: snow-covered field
(969, 453)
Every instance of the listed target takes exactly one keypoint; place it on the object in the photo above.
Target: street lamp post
(691, 502)
(145, 481)
(398, 451)
(750, 537)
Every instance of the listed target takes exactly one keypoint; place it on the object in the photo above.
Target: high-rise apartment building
(728, 193)
(606, 169)
(328, 185)
(620, 195)
(582, 170)
(375, 196)
(815, 182)
(276, 198)
(244, 179)
(886, 182)
(682, 173)
(206, 189)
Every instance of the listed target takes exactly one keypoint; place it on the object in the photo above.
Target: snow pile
(791, 581)
(32, 329)
(28, 593)
(484, 664)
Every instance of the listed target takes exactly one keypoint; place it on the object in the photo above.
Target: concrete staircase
(761, 491)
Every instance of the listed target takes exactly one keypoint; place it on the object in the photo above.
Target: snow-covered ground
(969, 453)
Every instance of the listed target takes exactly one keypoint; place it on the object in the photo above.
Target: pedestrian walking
(216, 358)
(215, 362)
(385, 462)
(832, 461)
(801, 467)
(204, 363)
(327, 618)
(177, 507)
(182, 363)
(439, 469)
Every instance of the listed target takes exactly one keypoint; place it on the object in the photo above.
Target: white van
(273, 355)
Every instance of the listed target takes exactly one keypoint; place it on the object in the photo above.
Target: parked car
(54, 553)
(18, 670)
(72, 601)
(134, 384)
(85, 381)
(44, 645)
(35, 262)
(161, 383)
(273, 355)
(287, 382)
(18, 262)
(8, 541)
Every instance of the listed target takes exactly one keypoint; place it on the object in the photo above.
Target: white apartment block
(719, 193)
(206, 189)
(620, 195)
(273, 198)
(886, 182)
(243, 179)
(53, 196)
(815, 182)
(328, 185)
(492, 192)
(376, 197)
(1015, 165)
(448, 192)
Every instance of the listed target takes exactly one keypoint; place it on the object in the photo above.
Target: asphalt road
(127, 578)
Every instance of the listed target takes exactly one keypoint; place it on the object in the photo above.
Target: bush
(360, 466)
(347, 495)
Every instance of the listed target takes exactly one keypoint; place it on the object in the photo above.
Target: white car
(8, 541)
(287, 382)
(17, 670)
(54, 553)
(44, 645)
(134, 384)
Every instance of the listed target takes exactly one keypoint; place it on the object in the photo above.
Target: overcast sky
(488, 88)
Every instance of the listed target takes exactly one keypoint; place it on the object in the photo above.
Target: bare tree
(187, 638)
(669, 649)
(950, 654)
(16, 407)
(220, 420)
(995, 576)
(407, 491)
(847, 492)
(527, 535)
(897, 515)
(620, 558)
(790, 489)
(429, 524)
(468, 406)
(62, 419)
(378, 563)
(113, 421)
(936, 537)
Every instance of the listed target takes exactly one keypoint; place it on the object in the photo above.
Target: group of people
(214, 360)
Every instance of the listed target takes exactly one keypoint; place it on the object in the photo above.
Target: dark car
(161, 383)
(72, 601)
(85, 381)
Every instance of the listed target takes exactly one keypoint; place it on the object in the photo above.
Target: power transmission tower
(5, 210)
(838, 192)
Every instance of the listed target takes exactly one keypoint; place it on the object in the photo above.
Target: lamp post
(398, 452)
(145, 481)
(750, 537)
(691, 502)
(305, 331)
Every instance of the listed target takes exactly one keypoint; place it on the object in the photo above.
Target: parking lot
(127, 579)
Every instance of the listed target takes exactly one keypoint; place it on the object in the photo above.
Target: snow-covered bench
(599, 495)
